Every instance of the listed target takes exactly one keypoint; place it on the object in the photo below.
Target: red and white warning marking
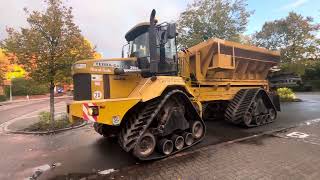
(85, 112)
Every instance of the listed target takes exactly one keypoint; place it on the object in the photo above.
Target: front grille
(82, 87)
(106, 84)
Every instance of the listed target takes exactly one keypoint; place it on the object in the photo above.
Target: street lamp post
(11, 88)
(10, 92)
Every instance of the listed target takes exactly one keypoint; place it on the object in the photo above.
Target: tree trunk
(51, 105)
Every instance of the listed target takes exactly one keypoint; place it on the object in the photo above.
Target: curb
(45, 132)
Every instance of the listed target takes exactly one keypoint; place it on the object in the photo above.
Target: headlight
(80, 66)
(93, 111)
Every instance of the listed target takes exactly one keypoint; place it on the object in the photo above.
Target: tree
(295, 37)
(3, 66)
(15, 71)
(205, 19)
(49, 46)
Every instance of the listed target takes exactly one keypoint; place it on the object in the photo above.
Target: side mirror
(171, 31)
(122, 51)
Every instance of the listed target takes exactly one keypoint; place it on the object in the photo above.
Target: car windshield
(139, 47)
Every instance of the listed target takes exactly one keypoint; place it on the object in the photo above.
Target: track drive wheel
(145, 146)
(197, 129)
(247, 119)
(272, 114)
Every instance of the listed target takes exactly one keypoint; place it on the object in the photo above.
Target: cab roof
(137, 30)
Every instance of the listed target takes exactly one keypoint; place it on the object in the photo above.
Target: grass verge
(44, 123)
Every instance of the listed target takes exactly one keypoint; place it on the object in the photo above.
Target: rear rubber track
(243, 109)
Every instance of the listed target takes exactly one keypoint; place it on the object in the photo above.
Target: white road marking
(299, 135)
(312, 121)
(42, 168)
(108, 171)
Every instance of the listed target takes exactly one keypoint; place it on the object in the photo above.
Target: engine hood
(104, 66)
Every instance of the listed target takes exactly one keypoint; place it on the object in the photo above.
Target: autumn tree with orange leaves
(49, 46)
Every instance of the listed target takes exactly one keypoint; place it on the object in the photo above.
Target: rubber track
(240, 105)
(139, 122)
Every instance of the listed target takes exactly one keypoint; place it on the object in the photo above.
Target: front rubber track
(191, 109)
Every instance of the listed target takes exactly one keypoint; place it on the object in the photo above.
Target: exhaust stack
(153, 44)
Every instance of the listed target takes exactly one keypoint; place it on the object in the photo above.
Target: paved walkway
(293, 154)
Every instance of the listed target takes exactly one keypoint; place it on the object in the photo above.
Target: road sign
(7, 82)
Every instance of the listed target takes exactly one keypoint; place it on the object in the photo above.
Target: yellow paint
(107, 109)
(122, 86)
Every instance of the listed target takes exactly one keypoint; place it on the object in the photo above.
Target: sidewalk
(272, 156)
(35, 98)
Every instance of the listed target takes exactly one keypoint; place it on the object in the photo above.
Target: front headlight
(93, 111)
(80, 66)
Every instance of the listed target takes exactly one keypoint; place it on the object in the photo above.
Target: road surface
(81, 151)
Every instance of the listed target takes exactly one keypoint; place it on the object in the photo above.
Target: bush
(3, 98)
(23, 87)
(286, 94)
(44, 123)
(315, 84)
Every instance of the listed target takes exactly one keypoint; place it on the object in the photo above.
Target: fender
(153, 87)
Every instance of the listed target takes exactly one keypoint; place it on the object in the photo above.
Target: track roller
(178, 141)
(165, 146)
(258, 120)
(188, 138)
(145, 146)
(197, 129)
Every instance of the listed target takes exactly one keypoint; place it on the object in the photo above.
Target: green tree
(205, 19)
(49, 46)
(295, 37)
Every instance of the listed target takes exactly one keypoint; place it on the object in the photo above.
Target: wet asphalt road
(82, 151)
(21, 108)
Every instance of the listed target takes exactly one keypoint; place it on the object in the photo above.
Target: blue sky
(104, 22)
(269, 10)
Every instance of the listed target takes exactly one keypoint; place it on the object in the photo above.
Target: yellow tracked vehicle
(156, 100)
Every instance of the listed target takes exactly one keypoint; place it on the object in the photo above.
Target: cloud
(294, 4)
(103, 22)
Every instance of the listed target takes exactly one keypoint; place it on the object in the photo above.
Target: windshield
(170, 48)
(139, 47)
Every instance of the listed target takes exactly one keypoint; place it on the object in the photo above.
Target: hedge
(2, 98)
(23, 87)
